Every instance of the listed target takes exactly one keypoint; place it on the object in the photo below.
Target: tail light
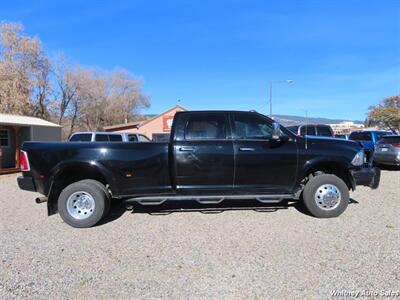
(24, 161)
(397, 145)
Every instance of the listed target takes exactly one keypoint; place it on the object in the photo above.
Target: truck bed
(129, 168)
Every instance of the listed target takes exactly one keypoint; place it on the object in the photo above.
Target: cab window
(206, 127)
(307, 130)
(81, 137)
(324, 130)
(250, 127)
(101, 138)
(360, 136)
(115, 138)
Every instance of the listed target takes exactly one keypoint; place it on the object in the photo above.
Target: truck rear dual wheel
(326, 196)
(82, 204)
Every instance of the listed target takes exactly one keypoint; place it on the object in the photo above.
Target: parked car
(387, 151)
(213, 156)
(161, 137)
(108, 137)
(312, 129)
(368, 138)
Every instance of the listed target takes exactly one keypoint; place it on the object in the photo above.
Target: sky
(343, 56)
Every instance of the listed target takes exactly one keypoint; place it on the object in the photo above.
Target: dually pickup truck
(212, 156)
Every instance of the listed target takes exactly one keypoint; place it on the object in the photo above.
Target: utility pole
(288, 81)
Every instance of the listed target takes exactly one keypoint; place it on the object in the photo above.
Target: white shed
(15, 130)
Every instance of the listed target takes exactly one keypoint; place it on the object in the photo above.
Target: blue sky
(343, 56)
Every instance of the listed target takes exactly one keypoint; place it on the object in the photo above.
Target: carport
(15, 130)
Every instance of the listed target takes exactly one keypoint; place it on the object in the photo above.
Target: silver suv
(108, 137)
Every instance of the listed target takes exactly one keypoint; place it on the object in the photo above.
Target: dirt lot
(239, 253)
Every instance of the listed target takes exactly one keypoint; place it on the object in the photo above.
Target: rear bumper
(26, 183)
(367, 177)
(387, 159)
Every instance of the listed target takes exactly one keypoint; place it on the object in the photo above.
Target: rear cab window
(101, 138)
(81, 137)
(360, 136)
(308, 130)
(324, 130)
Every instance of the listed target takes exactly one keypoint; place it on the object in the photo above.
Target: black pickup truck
(212, 156)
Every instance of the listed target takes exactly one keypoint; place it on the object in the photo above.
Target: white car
(108, 137)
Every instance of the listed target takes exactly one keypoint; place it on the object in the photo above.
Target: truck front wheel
(326, 196)
(82, 204)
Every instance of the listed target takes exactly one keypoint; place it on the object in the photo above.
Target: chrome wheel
(327, 197)
(80, 205)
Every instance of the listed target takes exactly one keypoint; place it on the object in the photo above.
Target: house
(156, 128)
(15, 130)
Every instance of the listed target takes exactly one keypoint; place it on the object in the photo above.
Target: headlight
(358, 159)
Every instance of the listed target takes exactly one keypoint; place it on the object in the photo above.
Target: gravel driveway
(240, 253)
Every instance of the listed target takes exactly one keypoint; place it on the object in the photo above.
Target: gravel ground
(236, 254)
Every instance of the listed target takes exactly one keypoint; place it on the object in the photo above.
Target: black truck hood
(331, 142)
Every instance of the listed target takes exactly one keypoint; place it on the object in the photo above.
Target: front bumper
(370, 176)
(26, 183)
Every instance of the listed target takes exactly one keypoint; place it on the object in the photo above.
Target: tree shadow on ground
(118, 208)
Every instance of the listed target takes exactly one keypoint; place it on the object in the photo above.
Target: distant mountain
(297, 120)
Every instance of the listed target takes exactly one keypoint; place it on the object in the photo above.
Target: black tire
(107, 204)
(311, 189)
(98, 196)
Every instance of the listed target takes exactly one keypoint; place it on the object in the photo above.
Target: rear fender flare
(62, 166)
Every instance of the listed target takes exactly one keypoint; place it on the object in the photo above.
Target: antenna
(306, 111)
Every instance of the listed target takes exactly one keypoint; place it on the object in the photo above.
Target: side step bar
(157, 200)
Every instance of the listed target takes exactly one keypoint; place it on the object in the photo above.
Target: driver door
(262, 164)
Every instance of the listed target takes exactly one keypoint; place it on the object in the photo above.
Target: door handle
(187, 149)
(246, 149)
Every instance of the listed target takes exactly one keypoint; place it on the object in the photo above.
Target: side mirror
(276, 132)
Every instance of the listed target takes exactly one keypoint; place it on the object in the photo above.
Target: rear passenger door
(203, 153)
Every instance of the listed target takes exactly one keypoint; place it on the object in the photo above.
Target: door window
(250, 127)
(205, 127)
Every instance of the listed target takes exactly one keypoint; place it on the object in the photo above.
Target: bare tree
(24, 72)
(42, 88)
(66, 86)
(77, 98)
